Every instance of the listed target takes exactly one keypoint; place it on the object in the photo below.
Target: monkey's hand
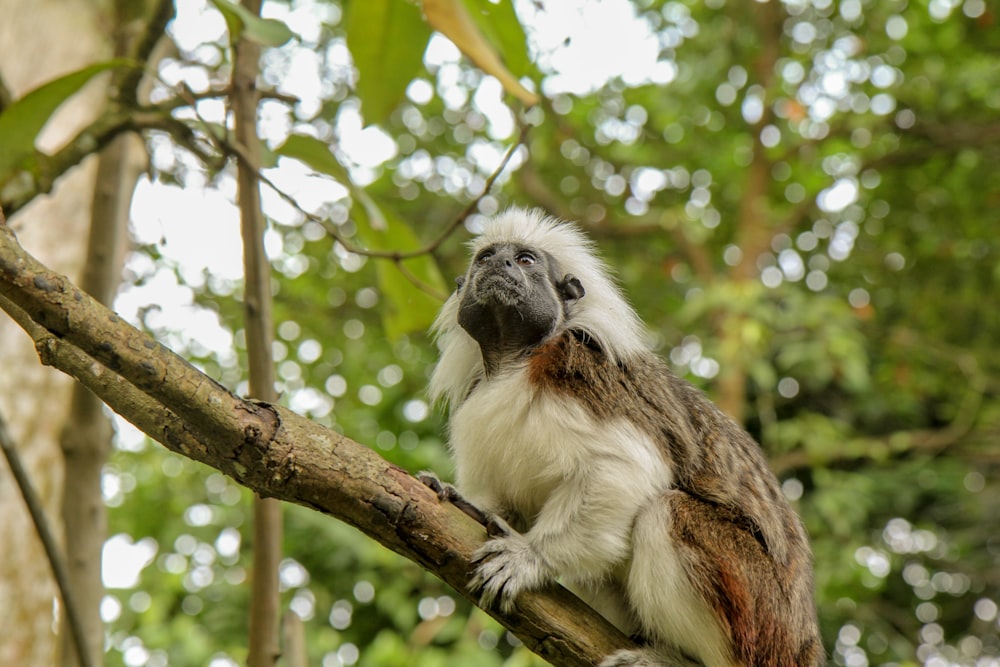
(444, 490)
(448, 492)
(507, 566)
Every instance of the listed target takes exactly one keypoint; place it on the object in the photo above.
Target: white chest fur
(514, 445)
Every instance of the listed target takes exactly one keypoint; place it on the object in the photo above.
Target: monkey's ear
(459, 282)
(570, 288)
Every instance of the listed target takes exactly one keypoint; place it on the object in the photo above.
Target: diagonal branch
(153, 17)
(274, 451)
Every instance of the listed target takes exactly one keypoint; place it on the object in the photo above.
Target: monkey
(598, 466)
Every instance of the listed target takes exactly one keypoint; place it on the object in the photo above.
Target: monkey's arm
(581, 530)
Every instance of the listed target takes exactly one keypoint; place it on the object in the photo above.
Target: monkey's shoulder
(570, 357)
(572, 363)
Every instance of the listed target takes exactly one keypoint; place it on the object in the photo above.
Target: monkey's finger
(485, 573)
(497, 527)
(500, 588)
(434, 483)
(507, 599)
(487, 593)
(496, 591)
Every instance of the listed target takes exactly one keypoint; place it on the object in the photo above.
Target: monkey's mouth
(498, 289)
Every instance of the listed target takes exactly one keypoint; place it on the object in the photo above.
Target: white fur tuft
(603, 313)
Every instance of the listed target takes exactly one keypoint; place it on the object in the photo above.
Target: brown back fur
(737, 533)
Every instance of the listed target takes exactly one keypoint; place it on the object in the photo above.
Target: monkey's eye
(525, 258)
(484, 255)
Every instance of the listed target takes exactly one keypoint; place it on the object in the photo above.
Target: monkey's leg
(698, 582)
(757, 612)
(495, 526)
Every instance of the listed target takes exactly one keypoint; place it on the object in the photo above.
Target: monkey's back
(730, 521)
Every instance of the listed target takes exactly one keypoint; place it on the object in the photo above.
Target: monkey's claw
(506, 567)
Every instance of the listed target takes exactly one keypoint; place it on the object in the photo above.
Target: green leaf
(317, 154)
(406, 307)
(22, 121)
(453, 20)
(387, 39)
(499, 24)
(244, 23)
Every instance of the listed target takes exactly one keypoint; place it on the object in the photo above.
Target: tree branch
(274, 451)
(88, 141)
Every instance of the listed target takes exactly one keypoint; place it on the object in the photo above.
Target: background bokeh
(800, 199)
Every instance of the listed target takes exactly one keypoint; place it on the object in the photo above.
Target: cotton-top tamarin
(607, 472)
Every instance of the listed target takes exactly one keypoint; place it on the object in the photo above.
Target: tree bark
(274, 451)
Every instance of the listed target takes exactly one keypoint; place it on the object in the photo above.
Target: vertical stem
(264, 603)
(754, 224)
(293, 641)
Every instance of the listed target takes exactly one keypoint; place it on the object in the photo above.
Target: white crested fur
(603, 312)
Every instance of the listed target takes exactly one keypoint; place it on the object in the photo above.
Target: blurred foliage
(800, 199)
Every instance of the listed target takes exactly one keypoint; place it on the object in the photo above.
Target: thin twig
(52, 551)
(395, 255)
(417, 282)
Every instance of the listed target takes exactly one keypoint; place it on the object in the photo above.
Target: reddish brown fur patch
(547, 363)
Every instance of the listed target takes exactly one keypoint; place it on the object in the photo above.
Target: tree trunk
(755, 225)
(86, 435)
(86, 439)
(39, 40)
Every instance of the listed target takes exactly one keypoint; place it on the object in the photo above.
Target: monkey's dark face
(512, 298)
